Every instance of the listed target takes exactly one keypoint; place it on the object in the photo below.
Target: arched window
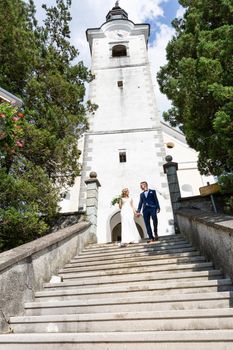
(119, 51)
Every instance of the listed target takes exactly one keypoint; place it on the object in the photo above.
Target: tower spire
(116, 13)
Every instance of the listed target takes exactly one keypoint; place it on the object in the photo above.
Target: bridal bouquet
(116, 200)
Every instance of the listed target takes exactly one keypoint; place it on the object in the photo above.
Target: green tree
(17, 44)
(54, 97)
(13, 128)
(27, 195)
(39, 151)
(198, 79)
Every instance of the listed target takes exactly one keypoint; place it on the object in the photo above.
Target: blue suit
(149, 206)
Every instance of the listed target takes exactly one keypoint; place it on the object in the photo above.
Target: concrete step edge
(133, 300)
(193, 253)
(145, 259)
(133, 246)
(65, 273)
(132, 264)
(123, 316)
(148, 248)
(122, 337)
(122, 253)
(152, 286)
(162, 238)
(147, 277)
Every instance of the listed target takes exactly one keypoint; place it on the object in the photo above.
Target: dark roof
(7, 96)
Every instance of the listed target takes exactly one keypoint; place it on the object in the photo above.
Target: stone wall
(204, 203)
(210, 233)
(196, 202)
(24, 269)
(63, 220)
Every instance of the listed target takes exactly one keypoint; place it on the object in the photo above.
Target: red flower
(15, 119)
(20, 115)
(2, 115)
(20, 144)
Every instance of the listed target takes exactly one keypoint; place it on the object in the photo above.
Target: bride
(129, 232)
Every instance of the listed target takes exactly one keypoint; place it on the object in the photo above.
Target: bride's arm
(131, 203)
(120, 203)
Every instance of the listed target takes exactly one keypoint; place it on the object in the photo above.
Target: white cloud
(180, 12)
(138, 10)
(157, 57)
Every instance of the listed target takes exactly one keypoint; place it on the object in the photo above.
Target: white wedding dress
(129, 231)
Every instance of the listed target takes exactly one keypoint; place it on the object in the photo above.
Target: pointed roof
(116, 13)
(6, 96)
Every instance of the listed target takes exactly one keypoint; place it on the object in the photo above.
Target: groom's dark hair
(144, 182)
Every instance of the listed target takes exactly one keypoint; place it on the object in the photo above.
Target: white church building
(127, 142)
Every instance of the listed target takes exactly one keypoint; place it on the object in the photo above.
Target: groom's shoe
(151, 240)
(156, 237)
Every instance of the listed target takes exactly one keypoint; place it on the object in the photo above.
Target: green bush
(226, 183)
(28, 198)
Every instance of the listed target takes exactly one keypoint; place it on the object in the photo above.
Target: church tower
(124, 144)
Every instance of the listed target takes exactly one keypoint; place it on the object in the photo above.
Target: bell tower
(124, 144)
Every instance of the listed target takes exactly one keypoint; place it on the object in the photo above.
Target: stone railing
(211, 234)
(24, 269)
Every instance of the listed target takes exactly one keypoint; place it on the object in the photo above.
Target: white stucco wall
(190, 179)
(71, 201)
(124, 108)
(141, 165)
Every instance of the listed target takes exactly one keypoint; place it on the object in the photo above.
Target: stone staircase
(151, 296)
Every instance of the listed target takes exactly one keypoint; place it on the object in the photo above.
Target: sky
(158, 13)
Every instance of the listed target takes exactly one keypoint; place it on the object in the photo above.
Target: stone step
(137, 256)
(127, 304)
(108, 248)
(150, 251)
(143, 259)
(153, 288)
(169, 320)
(133, 279)
(130, 249)
(166, 340)
(88, 272)
(136, 262)
(166, 238)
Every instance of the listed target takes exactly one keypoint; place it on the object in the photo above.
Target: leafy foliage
(38, 146)
(25, 199)
(13, 129)
(198, 79)
(116, 200)
(54, 97)
(26, 192)
(17, 45)
(226, 185)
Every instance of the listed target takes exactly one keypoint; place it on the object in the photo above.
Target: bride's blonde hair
(124, 192)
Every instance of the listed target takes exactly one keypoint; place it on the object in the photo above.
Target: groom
(150, 204)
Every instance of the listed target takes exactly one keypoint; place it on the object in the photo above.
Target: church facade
(126, 142)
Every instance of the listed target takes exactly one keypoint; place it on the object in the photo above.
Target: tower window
(122, 157)
(119, 51)
(120, 83)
